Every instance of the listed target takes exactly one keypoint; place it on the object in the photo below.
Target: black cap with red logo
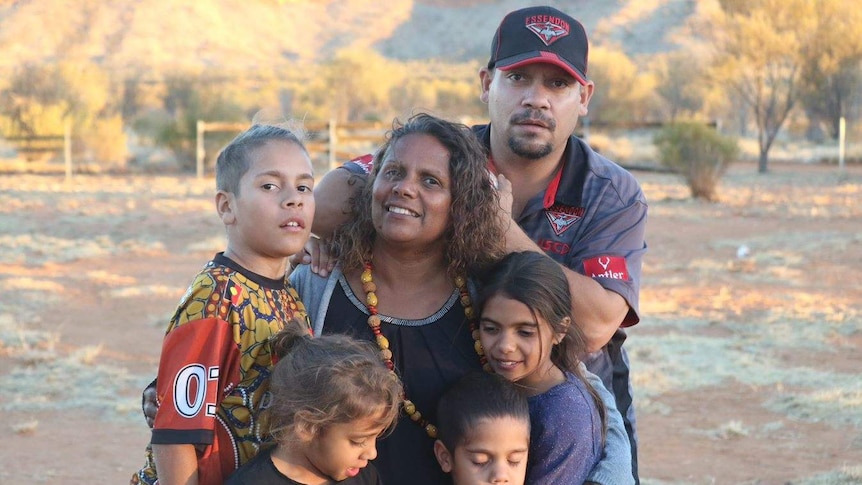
(540, 35)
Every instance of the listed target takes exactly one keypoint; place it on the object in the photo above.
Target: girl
(332, 397)
(528, 336)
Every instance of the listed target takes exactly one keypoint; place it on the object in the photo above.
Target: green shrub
(698, 153)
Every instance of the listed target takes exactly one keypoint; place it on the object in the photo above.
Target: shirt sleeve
(360, 165)
(615, 465)
(612, 252)
(198, 359)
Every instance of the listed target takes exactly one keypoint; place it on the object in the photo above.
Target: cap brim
(540, 57)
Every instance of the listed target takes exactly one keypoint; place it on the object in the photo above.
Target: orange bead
(371, 299)
(477, 346)
(409, 407)
(385, 354)
(416, 416)
(369, 287)
(366, 276)
(374, 321)
(469, 313)
(431, 430)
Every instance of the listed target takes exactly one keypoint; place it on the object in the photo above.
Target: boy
(213, 379)
(484, 431)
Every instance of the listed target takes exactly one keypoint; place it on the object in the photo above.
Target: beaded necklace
(370, 290)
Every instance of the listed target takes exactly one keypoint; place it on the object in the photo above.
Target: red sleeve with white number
(200, 359)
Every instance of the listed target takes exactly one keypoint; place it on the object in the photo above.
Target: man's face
(533, 109)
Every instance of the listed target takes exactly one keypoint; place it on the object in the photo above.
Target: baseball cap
(540, 35)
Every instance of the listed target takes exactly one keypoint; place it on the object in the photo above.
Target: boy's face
(494, 451)
(270, 217)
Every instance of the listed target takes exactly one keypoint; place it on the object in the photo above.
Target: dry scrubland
(746, 370)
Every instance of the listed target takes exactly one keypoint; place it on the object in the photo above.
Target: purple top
(565, 434)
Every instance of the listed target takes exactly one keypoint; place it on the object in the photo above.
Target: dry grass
(784, 322)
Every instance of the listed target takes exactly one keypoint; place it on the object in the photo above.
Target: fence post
(67, 149)
(842, 131)
(199, 150)
(333, 141)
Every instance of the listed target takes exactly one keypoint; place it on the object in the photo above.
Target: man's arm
(596, 310)
(332, 198)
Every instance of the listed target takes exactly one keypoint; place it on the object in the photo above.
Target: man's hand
(316, 253)
(504, 188)
(150, 403)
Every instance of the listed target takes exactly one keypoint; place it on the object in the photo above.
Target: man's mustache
(533, 117)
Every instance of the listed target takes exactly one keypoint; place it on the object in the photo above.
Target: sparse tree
(623, 92)
(832, 68)
(758, 46)
(680, 83)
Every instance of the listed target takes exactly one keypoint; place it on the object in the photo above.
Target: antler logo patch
(548, 28)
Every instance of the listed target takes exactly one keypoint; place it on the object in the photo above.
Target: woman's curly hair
(474, 236)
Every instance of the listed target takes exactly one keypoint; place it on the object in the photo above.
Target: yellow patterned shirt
(213, 380)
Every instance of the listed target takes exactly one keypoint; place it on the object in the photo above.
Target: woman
(426, 219)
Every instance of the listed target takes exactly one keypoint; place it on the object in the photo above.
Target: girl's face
(494, 451)
(412, 192)
(342, 450)
(518, 344)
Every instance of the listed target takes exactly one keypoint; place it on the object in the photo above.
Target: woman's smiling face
(412, 196)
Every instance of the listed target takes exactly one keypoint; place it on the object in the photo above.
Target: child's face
(495, 451)
(517, 344)
(341, 450)
(271, 216)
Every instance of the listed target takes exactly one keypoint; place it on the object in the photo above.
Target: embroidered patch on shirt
(562, 218)
(611, 267)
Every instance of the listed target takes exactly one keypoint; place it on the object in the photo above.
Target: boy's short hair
(233, 161)
(478, 395)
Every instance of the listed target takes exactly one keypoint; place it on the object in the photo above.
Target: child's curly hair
(328, 380)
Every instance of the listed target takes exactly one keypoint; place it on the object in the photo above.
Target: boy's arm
(176, 464)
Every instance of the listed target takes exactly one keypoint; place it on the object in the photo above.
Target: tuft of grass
(25, 428)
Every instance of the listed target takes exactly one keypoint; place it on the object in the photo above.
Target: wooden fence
(329, 141)
(30, 147)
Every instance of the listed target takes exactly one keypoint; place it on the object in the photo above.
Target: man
(582, 210)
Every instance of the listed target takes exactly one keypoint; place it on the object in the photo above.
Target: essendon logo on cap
(548, 28)
(611, 267)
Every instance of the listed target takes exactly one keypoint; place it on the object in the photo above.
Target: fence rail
(33, 145)
(326, 139)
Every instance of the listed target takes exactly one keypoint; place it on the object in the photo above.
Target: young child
(529, 338)
(213, 377)
(484, 433)
(332, 397)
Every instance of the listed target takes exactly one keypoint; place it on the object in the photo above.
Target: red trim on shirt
(551, 191)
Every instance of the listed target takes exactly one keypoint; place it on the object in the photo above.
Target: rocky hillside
(159, 35)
